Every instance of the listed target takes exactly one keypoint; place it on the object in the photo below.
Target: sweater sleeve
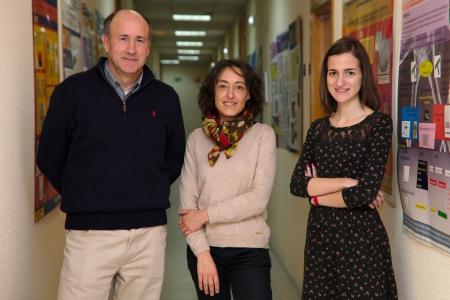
(55, 137)
(189, 195)
(379, 143)
(175, 145)
(255, 200)
(299, 182)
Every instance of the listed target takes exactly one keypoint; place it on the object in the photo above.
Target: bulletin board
(424, 121)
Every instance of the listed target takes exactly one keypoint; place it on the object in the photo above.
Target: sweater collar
(147, 74)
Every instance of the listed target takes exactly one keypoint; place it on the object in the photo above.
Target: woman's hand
(310, 170)
(378, 200)
(192, 220)
(208, 279)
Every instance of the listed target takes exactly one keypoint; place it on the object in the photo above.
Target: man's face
(127, 44)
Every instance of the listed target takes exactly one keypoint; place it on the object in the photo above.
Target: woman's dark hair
(368, 94)
(206, 97)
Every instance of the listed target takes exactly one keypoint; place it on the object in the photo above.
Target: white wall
(186, 80)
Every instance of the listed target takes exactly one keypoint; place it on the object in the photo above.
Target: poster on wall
(286, 88)
(71, 43)
(98, 21)
(81, 38)
(88, 36)
(46, 77)
(370, 21)
(423, 159)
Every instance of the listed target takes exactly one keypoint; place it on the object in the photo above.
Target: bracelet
(315, 201)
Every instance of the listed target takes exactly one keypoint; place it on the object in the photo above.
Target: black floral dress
(347, 252)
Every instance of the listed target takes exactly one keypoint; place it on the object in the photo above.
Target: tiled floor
(178, 284)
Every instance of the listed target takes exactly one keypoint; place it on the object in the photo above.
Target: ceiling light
(213, 64)
(170, 61)
(189, 44)
(188, 51)
(251, 20)
(189, 33)
(202, 18)
(225, 51)
(190, 58)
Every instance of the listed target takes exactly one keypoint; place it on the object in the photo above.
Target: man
(112, 143)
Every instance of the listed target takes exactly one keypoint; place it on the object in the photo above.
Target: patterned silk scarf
(225, 134)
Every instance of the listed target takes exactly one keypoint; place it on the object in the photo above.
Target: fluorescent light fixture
(170, 61)
(251, 20)
(188, 51)
(189, 44)
(225, 51)
(201, 18)
(190, 33)
(190, 58)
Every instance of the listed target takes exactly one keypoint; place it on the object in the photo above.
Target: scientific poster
(424, 121)
(370, 21)
(46, 77)
(286, 88)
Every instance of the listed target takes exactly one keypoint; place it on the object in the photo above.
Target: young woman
(347, 253)
(227, 177)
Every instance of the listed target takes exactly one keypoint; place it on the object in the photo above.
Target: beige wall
(30, 254)
(186, 79)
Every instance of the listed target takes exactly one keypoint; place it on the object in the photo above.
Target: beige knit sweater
(234, 191)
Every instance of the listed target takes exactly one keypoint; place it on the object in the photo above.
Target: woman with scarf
(227, 177)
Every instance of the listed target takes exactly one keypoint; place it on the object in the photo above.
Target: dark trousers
(246, 271)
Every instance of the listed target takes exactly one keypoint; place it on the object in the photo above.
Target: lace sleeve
(299, 182)
(379, 143)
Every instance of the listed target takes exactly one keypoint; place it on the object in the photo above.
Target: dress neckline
(369, 116)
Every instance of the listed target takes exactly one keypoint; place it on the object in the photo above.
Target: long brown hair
(368, 93)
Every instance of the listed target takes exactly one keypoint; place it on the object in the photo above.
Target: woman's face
(344, 77)
(231, 93)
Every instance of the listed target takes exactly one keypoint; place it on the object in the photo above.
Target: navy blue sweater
(113, 167)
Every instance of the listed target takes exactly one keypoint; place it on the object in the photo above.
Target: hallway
(177, 282)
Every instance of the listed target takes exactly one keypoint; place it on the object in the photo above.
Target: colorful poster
(286, 88)
(423, 105)
(46, 77)
(371, 21)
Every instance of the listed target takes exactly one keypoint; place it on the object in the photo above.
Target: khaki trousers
(130, 263)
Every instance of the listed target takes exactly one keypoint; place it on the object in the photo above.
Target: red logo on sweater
(154, 113)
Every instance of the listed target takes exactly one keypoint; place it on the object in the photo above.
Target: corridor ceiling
(223, 14)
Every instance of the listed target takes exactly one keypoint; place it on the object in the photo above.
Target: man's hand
(192, 220)
(208, 279)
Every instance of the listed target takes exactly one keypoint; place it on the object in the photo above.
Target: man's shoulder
(158, 84)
